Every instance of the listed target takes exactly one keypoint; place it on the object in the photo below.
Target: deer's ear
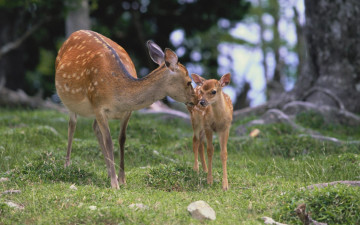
(225, 80)
(197, 79)
(171, 59)
(155, 52)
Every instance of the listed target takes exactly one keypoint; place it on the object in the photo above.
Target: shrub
(339, 204)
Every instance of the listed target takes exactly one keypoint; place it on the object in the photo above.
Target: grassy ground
(265, 173)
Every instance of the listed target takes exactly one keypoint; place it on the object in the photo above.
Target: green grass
(266, 174)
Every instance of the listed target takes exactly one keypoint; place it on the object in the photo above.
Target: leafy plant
(338, 204)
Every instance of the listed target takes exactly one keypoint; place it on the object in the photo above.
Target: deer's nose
(202, 102)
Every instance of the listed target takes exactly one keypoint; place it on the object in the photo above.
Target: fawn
(95, 77)
(212, 114)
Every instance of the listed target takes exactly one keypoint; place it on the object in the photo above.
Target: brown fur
(95, 77)
(215, 115)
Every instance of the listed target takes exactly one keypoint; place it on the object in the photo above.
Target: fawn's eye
(189, 83)
(213, 92)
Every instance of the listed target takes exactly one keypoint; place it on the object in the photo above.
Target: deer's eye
(213, 92)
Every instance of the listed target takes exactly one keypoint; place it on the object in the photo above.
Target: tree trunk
(11, 63)
(79, 18)
(331, 74)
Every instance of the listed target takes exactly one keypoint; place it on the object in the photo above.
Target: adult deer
(212, 114)
(96, 78)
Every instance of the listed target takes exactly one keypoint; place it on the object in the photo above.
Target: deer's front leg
(122, 139)
(210, 152)
(71, 131)
(109, 153)
(223, 136)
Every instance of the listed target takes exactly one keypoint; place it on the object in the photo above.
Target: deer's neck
(219, 107)
(140, 93)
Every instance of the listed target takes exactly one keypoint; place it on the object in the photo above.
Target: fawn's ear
(171, 59)
(225, 80)
(155, 52)
(197, 79)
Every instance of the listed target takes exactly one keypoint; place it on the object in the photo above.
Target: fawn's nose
(202, 102)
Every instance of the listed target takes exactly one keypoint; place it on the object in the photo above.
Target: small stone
(92, 207)
(73, 187)
(254, 133)
(138, 206)
(11, 192)
(201, 210)
(14, 205)
(3, 179)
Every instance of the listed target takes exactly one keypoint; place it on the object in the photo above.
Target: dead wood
(19, 98)
(159, 107)
(305, 216)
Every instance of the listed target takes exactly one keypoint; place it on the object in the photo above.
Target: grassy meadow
(266, 173)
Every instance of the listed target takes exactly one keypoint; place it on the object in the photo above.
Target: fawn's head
(210, 90)
(178, 85)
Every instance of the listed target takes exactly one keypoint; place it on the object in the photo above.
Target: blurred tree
(78, 17)
(269, 14)
(128, 22)
(329, 80)
(29, 31)
(131, 23)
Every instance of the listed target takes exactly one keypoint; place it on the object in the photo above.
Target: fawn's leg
(196, 143)
(210, 152)
(71, 131)
(101, 144)
(223, 136)
(122, 139)
(202, 157)
(201, 152)
(105, 132)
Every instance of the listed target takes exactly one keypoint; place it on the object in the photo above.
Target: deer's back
(89, 68)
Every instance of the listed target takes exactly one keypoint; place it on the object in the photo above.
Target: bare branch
(8, 47)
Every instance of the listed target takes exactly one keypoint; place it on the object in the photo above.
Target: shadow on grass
(49, 168)
(176, 177)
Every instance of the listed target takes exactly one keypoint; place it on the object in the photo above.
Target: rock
(138, 206)
(201, 210)
(92, 207)
(73, 187)
(3, 179)
(14, 205)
